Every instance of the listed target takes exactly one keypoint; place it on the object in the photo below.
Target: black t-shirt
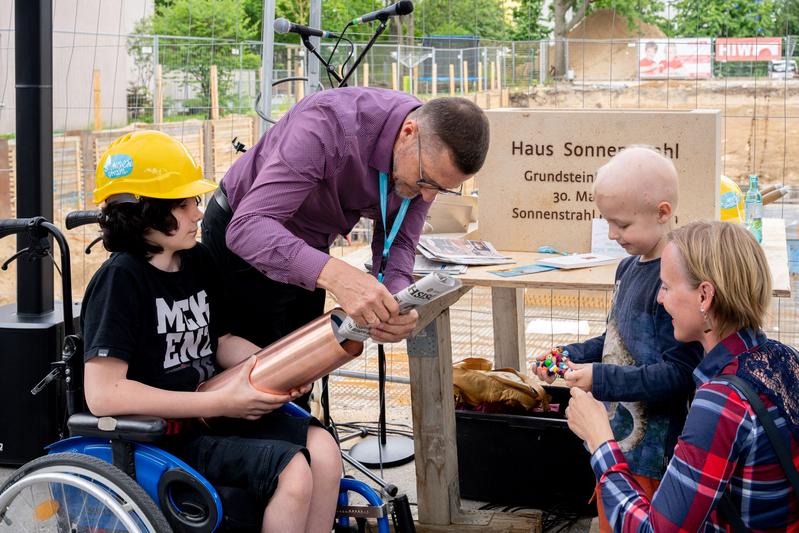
(164, 324)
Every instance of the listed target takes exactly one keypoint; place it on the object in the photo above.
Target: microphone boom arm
(380, 29)
(311, 48)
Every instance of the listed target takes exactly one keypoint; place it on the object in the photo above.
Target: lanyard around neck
(388, 236)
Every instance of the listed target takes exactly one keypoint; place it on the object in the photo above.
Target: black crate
(521, 460)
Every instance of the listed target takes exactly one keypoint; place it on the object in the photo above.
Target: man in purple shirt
(310, 179)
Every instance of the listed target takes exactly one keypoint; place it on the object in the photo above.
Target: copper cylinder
(299, 358)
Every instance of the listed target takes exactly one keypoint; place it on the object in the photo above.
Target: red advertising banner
(674, 58)
(749, 49)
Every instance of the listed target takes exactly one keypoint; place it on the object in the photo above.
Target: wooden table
(430, 361)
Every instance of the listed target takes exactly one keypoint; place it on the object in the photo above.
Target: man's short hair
(461, 126)
(651, 44)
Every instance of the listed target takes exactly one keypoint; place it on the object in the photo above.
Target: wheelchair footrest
(363, 511)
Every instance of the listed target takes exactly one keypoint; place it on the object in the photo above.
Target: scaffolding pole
(267, 61)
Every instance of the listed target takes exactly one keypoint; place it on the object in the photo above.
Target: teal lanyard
(388, 237)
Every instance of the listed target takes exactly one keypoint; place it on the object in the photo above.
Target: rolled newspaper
(424, 291)
(297, 359)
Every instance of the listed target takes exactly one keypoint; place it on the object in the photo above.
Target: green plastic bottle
(753, 209)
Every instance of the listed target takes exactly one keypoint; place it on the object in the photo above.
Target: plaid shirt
(722, 444)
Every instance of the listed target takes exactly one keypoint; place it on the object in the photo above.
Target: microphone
(282, 25)
(403, 7)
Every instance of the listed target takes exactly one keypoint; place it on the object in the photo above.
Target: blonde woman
(716, 285)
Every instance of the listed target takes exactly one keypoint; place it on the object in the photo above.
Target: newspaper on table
(424, 291)
(422, 266)
(461, 251)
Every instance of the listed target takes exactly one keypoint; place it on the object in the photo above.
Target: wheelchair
(109, 476)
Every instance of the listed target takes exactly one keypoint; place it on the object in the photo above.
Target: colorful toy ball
(555, 361)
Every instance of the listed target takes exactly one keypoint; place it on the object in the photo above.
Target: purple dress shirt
(312, 177)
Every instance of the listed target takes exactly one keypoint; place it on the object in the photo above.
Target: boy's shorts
(245, 454)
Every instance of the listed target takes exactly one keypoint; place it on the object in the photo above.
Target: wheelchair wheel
(75, 493)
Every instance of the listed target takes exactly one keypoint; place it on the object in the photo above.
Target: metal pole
(460, 69)
(267, 61)
(485, 65)
(400, 85)
(33, 41)
(513, 62)
(240, 73)
(370, 376)
(156, 60)
(542, 61)
(434, 79)
(315, 21)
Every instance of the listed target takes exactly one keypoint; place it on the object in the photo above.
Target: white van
(782, 69)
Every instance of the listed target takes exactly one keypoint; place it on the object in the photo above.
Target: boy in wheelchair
(154, 327)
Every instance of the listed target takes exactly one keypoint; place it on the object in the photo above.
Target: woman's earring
(708, 325)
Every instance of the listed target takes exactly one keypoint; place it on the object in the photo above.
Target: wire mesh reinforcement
(165, 82)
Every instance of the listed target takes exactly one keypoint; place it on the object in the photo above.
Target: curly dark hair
(125, 223)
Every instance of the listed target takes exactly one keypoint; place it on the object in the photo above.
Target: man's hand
(361, 296)
(239, 399)
(588, 419)
(299, 391)
(396, 328)
(580, 376)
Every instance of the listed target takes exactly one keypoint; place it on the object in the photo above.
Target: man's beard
(403, 193)
(402, 189)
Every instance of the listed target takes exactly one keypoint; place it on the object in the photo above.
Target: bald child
(637, 365)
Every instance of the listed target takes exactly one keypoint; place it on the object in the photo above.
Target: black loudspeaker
(27, 347)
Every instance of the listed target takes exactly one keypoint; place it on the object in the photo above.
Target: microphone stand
(311, 48)
(380, 29)
(382, 450)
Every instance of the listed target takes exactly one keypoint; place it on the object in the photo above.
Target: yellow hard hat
(149, 163)
(731, 201)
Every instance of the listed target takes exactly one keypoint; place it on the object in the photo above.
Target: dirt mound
(608, 60)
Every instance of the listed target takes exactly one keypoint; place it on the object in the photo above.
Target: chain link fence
(178, 84)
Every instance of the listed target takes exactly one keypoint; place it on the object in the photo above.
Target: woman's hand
(580, 375)
(239, 399)
(588, 419)
(395, 328)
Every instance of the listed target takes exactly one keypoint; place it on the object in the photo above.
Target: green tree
(527, 18)
(636, 11)
(787, 22)
(725, 18)
(335, 13)
(567, 14)
(486, 18)
(293, 10)
(225, 21)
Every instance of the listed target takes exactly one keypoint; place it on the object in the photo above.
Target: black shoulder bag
(726, 505)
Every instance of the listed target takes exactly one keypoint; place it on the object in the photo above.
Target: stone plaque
(536, 185)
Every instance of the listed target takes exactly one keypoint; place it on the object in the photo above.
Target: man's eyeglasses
(429, 184)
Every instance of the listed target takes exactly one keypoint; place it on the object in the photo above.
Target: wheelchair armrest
(134, 427)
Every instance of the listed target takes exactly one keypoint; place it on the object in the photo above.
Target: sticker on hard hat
(117, 166)
(729, 200)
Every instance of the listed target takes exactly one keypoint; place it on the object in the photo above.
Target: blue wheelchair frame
(145, 463)
(151, 463)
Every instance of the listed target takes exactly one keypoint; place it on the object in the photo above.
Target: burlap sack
(475, 384)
